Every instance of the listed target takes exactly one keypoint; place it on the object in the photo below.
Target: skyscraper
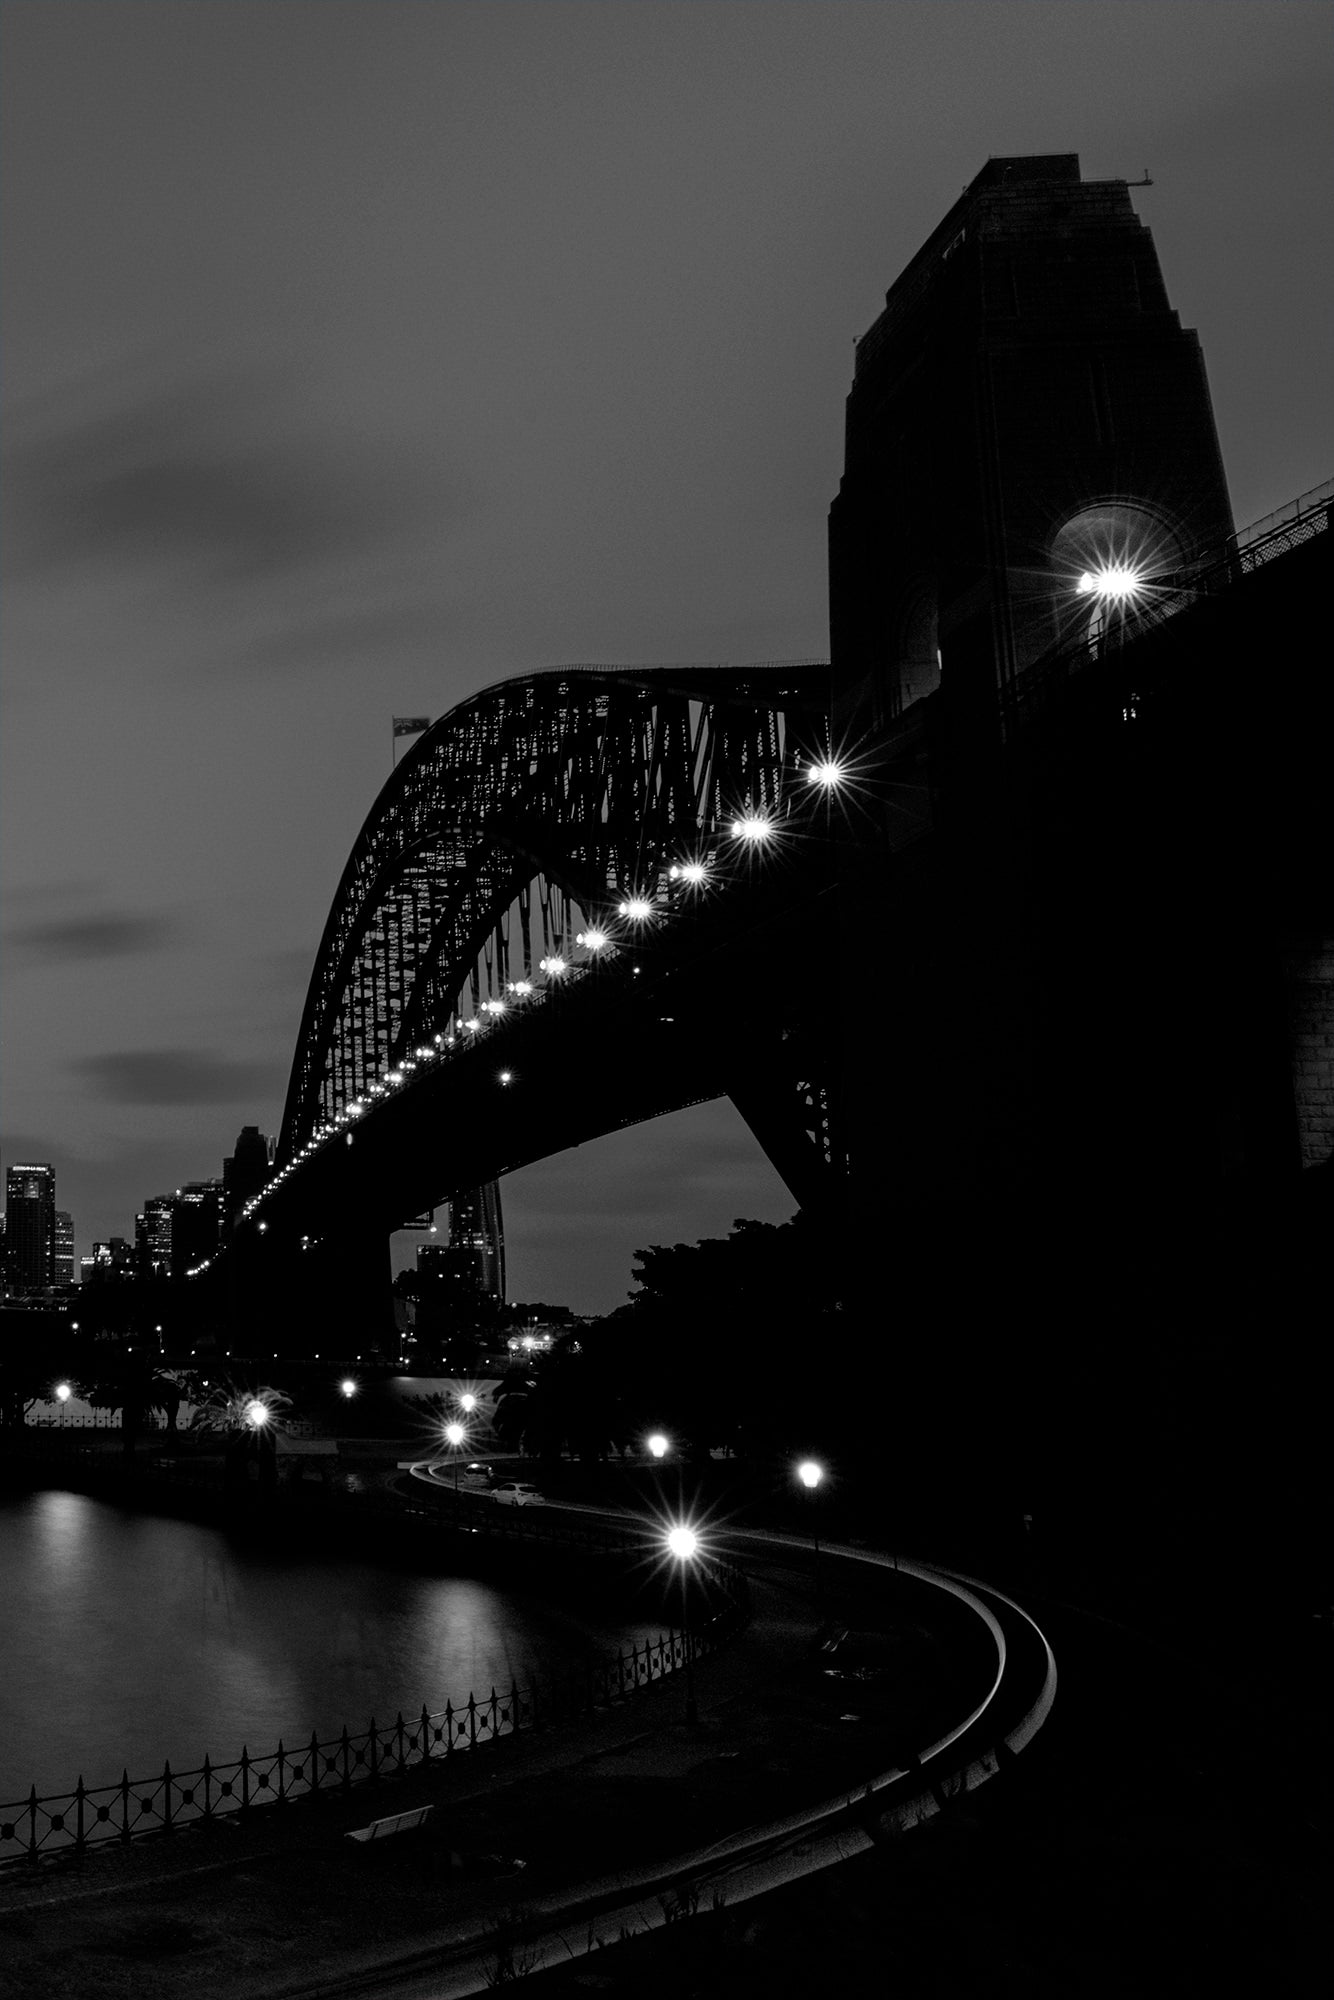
(477, 1242)
(152, 1235)
(64, 1247)
(196, 1226)
(244, 1173)
(30, 1225)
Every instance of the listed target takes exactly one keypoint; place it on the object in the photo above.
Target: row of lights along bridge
(753, 830)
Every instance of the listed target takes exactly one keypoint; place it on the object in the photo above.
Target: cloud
(227, 477)
(65, 940)
(179, 1077)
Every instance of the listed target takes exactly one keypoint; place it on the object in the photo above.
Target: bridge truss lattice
(524, 816)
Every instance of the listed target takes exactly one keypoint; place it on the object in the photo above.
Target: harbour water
(129, 1639)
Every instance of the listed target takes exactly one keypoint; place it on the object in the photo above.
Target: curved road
(1002, 1722)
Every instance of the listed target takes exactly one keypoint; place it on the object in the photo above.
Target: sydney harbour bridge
(566, 913)
(1018, 907)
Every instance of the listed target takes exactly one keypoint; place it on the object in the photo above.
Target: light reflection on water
(127, 1639)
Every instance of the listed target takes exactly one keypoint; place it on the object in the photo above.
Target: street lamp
(454, 1437)
(259, 1416)
(810, 1472)
(683, 1544)
(657, 1444)
(63, 1394)
(467, 1402)
(347, 1388)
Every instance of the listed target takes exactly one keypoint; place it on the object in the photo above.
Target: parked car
(514, 1493)
(479, 1473)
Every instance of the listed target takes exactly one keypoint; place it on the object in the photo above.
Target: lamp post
(258, 1416)
(811, 1473)
(454, 1437)
(658, 1445)
(63, 1394)
(683, 1544)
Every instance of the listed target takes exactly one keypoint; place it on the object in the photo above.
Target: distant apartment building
(111, 1261)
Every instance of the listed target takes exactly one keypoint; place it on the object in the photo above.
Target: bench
(404, 1822)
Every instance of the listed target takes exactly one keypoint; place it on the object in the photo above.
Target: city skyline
(548, 364)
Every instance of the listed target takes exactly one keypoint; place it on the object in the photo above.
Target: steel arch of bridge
(582, 784)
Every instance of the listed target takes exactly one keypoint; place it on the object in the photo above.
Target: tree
(716, 1328)
(119, 1375)
(36, 1350)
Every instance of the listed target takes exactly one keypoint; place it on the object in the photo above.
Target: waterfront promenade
(286, 1904)
(1121, 1852)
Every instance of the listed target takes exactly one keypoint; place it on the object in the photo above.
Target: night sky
(357, 356)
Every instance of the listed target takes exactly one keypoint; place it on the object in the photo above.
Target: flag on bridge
(411, 725)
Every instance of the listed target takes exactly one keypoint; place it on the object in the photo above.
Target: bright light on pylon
(1113, 582)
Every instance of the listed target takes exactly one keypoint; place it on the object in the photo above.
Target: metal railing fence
(96, 1420)
(65, 1823)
